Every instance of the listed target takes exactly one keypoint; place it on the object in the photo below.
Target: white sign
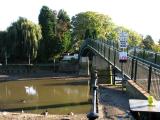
(123, 56)
(123, 40)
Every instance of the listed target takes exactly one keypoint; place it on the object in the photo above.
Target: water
(35, 96)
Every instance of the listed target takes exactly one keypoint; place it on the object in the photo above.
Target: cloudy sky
(139, 15)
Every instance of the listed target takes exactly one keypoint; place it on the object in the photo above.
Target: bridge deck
(113, 102)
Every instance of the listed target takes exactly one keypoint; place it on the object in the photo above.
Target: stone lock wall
(134, 91)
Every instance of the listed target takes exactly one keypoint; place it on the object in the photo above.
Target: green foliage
(134, 39)
(148, 42)
(23, 36)
(67, 41)
(3, 44)
(156, 48)
(92, 21)
(86, 22)
(63, 22)
(113, 35)
(88, 34)
(63, 31)
(56, 33)
(47, 21)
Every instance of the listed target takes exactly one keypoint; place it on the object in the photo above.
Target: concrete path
(114, 103)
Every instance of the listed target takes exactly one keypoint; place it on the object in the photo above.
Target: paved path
(114, 103)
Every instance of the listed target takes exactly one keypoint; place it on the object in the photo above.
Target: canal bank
(25, 116)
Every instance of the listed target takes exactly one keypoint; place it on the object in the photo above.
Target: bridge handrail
(136, 57)
(145, 61)
(145, 53)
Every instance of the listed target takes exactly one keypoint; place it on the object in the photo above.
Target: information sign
(123, 40)
(123, 56)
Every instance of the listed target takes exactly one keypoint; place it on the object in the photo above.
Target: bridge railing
(142, 74)
(145, 54)
(146, 73)
(139, 52)
(155, 83)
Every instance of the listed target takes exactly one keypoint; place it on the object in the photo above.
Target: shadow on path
(115, 102)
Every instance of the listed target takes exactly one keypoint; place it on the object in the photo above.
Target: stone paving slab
(114, 103)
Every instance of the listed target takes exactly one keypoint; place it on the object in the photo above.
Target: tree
(83, 21)
(134, 39)
(23, 37)
(63, 31)
(148, 42)
(156, 48)
(112, 35)
(3, 45)
(159, 42)
(88, 34)
(63, 22)
(47, 21)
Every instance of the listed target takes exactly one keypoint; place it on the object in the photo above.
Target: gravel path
(114, 102)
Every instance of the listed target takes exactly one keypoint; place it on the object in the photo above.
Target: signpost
(123, 45)
(123, 54)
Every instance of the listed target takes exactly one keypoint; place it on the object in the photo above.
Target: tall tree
(3, 45)
(47, 20)
(102, 24)
(63, 31)
(23, 36)
(148, 42)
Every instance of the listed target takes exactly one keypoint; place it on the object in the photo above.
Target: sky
(141, 16)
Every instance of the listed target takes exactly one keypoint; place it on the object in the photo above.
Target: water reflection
(30, 90)
(58, 96)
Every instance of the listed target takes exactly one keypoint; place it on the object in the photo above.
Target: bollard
(93, 114)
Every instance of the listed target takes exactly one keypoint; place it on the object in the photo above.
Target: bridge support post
(110, 74)
(114, 75)
(104, 70)
(149, 78)
(132, 70)
(84, 66)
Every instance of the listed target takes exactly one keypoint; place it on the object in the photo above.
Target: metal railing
(145, 72)
(139, 52)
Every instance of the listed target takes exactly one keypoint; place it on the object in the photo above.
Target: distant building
(69, 57)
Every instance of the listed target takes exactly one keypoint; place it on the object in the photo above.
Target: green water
(35, 96)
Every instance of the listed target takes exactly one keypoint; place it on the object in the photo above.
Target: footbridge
(143, 67)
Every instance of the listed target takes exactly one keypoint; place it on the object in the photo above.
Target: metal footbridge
(142, 66)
